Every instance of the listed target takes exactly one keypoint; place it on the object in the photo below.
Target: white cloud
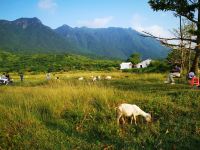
(96, 23)
(156, 31)
(138, 24)
(50, 5)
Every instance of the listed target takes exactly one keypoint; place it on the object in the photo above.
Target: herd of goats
(123, 110)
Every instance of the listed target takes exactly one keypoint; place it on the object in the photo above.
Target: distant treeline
(12, 62)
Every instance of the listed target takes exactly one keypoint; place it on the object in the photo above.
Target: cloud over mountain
(96, 22)
(49, 5)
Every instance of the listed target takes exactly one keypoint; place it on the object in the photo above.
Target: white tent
(126, 65)
(143, 64)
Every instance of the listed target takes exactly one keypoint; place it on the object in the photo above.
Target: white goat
(108, 77)
(94, 79)
(132, 111)
(98, 77)
(81, 78)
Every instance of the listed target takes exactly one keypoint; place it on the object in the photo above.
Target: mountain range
(31, 36)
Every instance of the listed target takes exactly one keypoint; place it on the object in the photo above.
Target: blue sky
(136, 14)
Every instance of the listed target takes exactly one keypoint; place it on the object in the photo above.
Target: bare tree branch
(177, 45)
(167, 39)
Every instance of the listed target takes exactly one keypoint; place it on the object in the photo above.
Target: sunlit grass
(72, 114)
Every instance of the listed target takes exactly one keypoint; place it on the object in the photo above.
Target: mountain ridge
(122, 41)
(30, 35)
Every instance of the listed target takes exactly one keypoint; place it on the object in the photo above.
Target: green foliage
(52, 62)
(159, 66)
(174, 57)
(183, 7)
(30, 35)
(134, 58)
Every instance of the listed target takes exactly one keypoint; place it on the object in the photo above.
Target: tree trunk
(181, 44)
(195, 64)
(189, 57)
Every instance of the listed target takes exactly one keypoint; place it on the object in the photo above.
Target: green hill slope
(31, 36)
(113, 42)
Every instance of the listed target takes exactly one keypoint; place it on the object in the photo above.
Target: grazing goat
(94, 79)
(98, 77)
(132, 111)
(108, 77)
(81, 78)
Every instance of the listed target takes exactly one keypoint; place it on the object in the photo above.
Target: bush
(159, 66)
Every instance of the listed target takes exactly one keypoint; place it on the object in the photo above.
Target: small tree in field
(134, 58)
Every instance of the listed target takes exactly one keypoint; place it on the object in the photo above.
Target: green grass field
(72, 114)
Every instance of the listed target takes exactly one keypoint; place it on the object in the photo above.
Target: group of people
(176, 73)
(5, 78)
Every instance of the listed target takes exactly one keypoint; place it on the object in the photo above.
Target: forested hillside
(29, 35)
(113, 42)
(52, 62)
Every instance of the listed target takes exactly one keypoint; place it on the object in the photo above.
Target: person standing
(7, 76)
(48, 76)
(21, 75)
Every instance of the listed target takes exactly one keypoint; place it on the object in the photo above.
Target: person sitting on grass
(3, 79)
(191, 75)
(175, 72)
(3, 76)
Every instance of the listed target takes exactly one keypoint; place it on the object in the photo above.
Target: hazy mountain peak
(31, 20)
(65, 26)
(25, 22)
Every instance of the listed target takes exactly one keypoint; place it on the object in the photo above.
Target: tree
(182, 53)
(189, 9)
(134, 58)
(174, 57)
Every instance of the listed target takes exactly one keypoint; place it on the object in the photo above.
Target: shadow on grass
(147, 86)
(92, 135)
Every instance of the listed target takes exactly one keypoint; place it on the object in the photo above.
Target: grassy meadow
(72, 114)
